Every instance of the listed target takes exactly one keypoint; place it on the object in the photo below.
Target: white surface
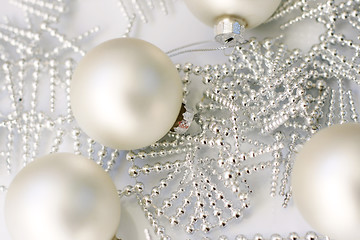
(179, 28)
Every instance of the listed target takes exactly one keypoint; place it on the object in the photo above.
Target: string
(176, 51)
(188, 45)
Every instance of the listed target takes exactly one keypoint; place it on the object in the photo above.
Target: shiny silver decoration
(230, 30)
(263, 103)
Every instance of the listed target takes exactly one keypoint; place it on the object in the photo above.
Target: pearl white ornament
(62, 196)
(126, 93)
(326, 181)
(253, 12)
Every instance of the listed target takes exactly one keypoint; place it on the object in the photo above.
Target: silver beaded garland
(257, 109)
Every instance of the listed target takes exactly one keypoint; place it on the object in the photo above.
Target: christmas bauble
(61, 197)
(251, 12)
(126, 93)
(326, 181)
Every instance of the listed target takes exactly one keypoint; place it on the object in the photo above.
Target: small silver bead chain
(256, 110)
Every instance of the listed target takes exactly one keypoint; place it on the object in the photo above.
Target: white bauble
(326, 181)
(126, 93)
(253, 12)
(61, 197)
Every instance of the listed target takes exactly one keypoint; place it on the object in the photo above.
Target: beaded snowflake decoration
(254, 113)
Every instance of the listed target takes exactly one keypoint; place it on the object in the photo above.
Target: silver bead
(311, 236)
(294, 236)
(240, 237)
(276, 237)
(258, 237)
